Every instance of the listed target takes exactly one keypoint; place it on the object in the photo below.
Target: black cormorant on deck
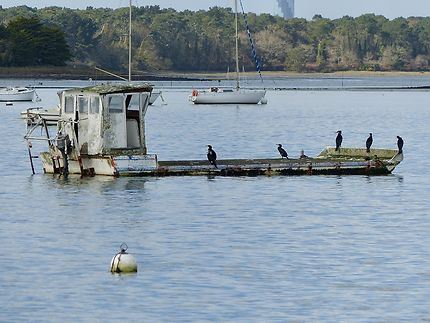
(400, 144)
(302, 154)
(212, 156)
(339, 139)
(282, 151)
(369, 142)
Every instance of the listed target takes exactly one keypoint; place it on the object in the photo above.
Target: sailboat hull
(228, 97)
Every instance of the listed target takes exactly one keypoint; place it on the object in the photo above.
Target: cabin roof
(112, 88)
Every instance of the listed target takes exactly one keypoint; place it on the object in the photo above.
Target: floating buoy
(123, 262)
(263, 101)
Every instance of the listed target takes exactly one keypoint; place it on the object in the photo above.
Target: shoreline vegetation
(168, 42)
(85, 73)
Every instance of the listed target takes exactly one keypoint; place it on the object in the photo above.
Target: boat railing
(53, 141)
(32, 126)
(44, 136)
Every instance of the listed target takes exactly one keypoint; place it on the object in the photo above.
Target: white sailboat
(236, 95)
(16, 94)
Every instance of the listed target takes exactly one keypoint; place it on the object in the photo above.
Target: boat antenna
(237, 45)
(129, 44)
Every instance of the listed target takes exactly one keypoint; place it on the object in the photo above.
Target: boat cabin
(105, 119)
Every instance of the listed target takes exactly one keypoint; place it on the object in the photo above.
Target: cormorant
(212, 156)
(282, 151)
(400, 144)
(302, 154)
(369, 142)
(339, 139)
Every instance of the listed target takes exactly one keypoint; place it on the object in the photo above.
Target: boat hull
(148, 165)
(53, 163)
(273, 167)
(228, 97)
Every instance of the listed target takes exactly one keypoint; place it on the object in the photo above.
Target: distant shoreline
(74, 73)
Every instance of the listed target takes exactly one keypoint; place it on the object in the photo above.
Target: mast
(129, 44)
(237, 45)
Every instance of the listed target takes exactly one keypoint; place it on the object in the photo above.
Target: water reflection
(97, 184)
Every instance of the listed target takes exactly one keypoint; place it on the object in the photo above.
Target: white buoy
(263, 100)
(123, 262)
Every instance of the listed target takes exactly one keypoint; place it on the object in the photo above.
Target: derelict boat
(101, 131)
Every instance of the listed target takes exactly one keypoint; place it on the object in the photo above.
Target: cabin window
(95, 104)
(68, 104)
(133, 102)
(83, 104)
(115, 104)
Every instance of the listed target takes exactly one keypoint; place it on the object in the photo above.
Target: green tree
(296, 59)
(32, 43)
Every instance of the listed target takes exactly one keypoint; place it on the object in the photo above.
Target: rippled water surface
(258, 249)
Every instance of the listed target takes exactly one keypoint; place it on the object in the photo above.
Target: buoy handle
(123, 247)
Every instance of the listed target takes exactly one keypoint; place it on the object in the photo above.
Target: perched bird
(339, 139)
(212, 156)
(369, 142)
(302, 154)
(400, 144)
(282, 151)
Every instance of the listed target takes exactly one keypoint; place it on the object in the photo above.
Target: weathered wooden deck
(349, 161)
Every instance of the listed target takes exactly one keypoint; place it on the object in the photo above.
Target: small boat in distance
(33, 115)
(230, 96)
(20, 93)
(217, 95)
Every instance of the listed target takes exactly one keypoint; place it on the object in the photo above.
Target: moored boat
(33, 115)
(227, 96)
(235, 95)
(9, 94)
(101, 131)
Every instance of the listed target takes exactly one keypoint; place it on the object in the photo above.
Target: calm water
(279, 249)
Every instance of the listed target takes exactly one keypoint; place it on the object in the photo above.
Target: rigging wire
(254, 51)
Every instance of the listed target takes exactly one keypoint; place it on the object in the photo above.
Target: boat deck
(268, 167)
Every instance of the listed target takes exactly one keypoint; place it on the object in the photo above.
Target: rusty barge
(101, 131)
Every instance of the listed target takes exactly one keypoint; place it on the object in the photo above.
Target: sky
(303, 8)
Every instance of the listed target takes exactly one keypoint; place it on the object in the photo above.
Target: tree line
(166, 39)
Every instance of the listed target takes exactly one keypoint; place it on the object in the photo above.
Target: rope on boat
(254, 52)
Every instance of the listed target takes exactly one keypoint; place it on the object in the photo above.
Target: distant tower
(287, 8)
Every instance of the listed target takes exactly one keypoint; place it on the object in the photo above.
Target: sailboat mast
(237, 45)
(129, 44)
